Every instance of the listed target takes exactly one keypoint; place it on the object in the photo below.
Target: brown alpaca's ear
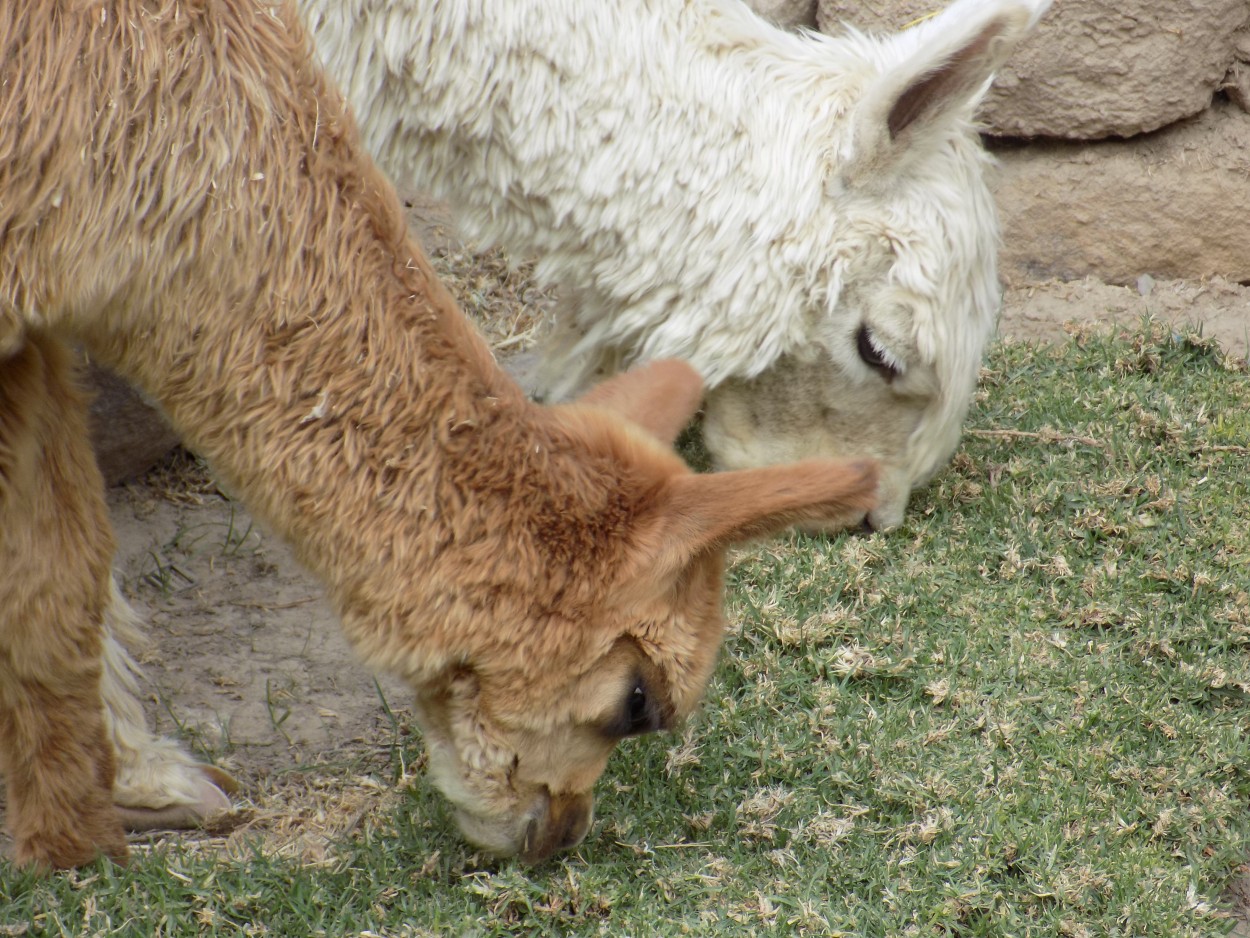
(660, 397)
(716, 510)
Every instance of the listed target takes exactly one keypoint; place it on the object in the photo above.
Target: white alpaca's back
(702, 184)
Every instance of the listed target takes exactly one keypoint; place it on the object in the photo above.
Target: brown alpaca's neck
(222, 241)
(308, 352)
(383, 443)
(327, 423)
(186, 196)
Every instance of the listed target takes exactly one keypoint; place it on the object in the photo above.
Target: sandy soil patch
(1219, 307)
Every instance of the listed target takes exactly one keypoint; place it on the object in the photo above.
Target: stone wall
(1096, 68)
(1174, 204)
(129, 436)
(1123, 132)
(788, 13)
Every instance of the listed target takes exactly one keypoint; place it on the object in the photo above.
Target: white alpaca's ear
(935, 72)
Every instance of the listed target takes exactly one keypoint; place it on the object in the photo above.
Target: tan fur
(182, 192)
(57, 760)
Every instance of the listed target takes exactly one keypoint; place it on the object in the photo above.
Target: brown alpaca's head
(521, 727)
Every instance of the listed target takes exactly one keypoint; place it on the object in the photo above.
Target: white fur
(155, 778)
(703, 184)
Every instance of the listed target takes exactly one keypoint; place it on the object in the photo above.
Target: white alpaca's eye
(872, 356)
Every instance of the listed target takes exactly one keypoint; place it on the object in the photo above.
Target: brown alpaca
(181, 192)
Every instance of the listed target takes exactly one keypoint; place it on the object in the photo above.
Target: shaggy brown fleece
(182, 192)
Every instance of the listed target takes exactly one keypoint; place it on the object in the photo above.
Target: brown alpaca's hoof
(211, 802)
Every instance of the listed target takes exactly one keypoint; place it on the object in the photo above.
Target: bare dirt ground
(246, 659)
(1039, 312)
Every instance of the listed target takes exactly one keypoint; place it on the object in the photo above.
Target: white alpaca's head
(897, 261)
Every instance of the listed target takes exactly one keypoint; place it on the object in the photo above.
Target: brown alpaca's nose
(562, 825)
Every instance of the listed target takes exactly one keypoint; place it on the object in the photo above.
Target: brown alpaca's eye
(638, 709)
(638, 713)
(872, 356)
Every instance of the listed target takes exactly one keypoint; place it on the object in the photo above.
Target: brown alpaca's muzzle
(563, 825)
(550, 824)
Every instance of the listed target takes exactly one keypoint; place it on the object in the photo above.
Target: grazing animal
(801, 217)
(183, 193)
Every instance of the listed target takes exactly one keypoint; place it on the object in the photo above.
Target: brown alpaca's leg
(55, 549)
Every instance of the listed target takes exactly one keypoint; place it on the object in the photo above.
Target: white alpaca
(801, 217)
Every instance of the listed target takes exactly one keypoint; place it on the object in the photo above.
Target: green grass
(1022, 713)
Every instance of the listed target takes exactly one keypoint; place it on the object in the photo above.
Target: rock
(886, 16)
(1237, 81)
(1171, 204)
(1100, 68)
(790, 14)
(1096, 68)
(129, 435)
